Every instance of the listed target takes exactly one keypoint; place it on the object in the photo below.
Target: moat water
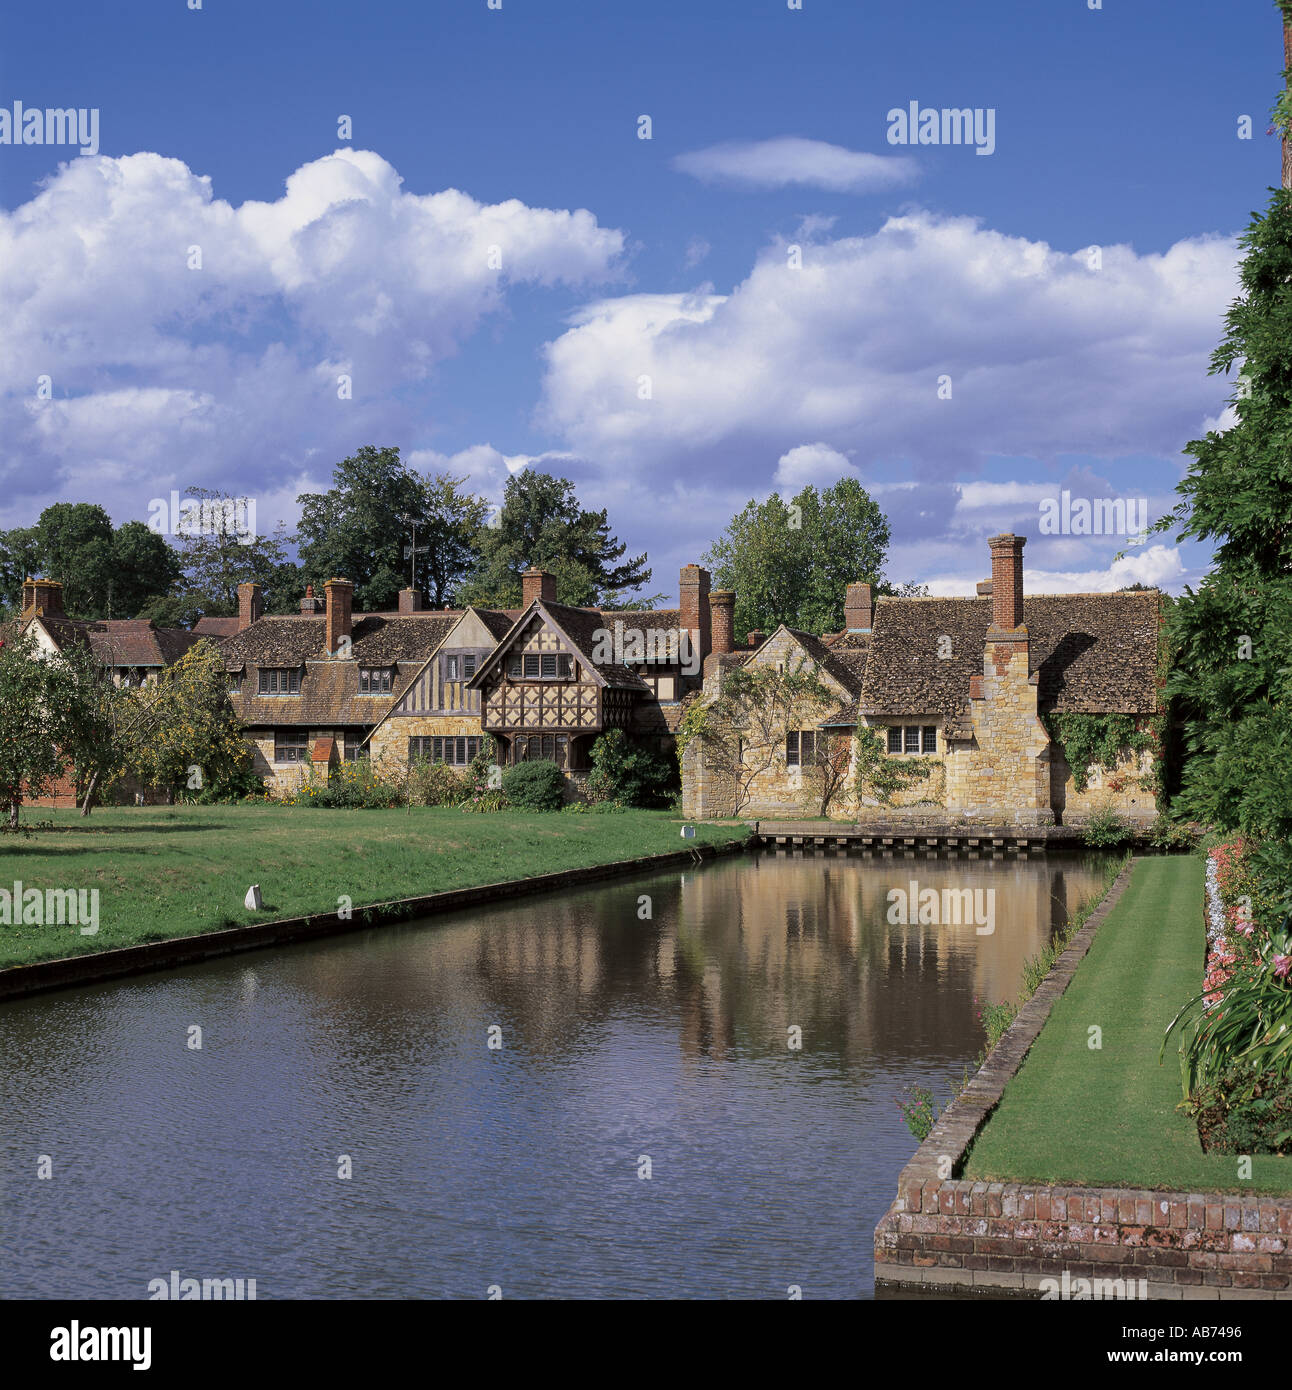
(644, 1126)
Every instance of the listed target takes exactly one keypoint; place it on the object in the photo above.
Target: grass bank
(1107, 1117)
(180, 871)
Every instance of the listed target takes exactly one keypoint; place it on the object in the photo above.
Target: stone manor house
(958, 686)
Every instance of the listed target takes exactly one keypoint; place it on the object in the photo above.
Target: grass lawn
(1108, 1118)
(182, 870)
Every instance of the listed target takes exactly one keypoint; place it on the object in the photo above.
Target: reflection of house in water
(730, 958)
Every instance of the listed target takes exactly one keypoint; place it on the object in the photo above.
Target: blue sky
(668, 258)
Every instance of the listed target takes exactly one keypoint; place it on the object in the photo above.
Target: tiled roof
(1092, 653)
(122, 641)
(330, 688)
(843, 666)
(216, 628)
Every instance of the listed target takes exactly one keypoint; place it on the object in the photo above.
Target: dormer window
(375, 680)
(276, 680)
(540, 666)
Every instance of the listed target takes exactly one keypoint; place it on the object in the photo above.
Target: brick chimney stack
(251, 604)
(410, 600)
(340, 600)
(311, 607)
(755, 639)
(42, 596)
(722, 616)
(693, 608)
(537, 583)
(1006, 581)
(858, 608)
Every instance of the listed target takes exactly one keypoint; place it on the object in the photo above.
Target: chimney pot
(311, 606)
(693, 608)
(722, 613)
(1006, 581)
(42, 596)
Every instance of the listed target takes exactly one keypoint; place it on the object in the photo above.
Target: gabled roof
(1090, 653)
(119, 642)
(580, 628)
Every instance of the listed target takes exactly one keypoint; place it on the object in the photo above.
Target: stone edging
(990, 1238)
(20, 980)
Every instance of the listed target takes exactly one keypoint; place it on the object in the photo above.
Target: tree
(216, 555)
(359, 529)
(791, 562)
(96, 715)
(1232, 674)
(742, 730)
(34, 700)
(542, 523)
(19, 559)
(183, 728)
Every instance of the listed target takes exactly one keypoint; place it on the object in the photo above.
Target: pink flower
(1282, 966)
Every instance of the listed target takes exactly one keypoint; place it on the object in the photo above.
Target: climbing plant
(883, 777)
(1103, 739)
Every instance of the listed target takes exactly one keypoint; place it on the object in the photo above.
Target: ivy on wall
(1103, 739)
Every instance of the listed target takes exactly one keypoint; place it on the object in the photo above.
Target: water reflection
(642, 1019)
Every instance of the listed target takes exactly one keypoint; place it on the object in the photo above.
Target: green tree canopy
(359, 529)
(104, 572)
(791, 562)
(542, 523)
(1233, 637)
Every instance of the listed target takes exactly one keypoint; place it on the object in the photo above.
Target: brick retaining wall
(988, 1238)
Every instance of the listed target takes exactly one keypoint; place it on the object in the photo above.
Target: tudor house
(316, 689)
(956, 690)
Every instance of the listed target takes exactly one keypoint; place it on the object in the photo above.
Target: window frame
(289, 742)
(290, 674)
(386, 680)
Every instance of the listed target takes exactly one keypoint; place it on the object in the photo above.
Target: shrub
(352, 786)
(630, 773)
(1171, 834)
(1245, 1114)
(1105, 829)
(436, 784)
(534, 786)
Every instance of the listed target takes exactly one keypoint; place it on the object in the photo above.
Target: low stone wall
(948, 1233)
